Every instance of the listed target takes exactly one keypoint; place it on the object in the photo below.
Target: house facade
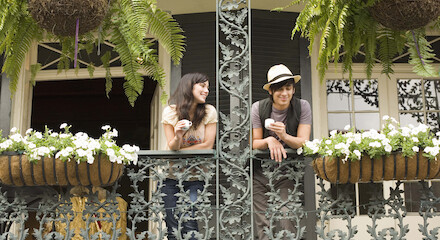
(234, 43)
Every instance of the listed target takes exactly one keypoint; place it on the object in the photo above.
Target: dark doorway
(84, 105)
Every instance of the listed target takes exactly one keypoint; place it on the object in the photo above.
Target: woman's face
(200, 92)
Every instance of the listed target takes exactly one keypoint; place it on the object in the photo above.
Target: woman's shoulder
(211, 114)
(169, 115)
(170, 109)
(210, 108)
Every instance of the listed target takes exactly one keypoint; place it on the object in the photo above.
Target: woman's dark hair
(274, 87)
(183, 98)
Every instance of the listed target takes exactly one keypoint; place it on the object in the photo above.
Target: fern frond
(370, 44)
(35, 68)
(162, 26)
(134, 84)
(387, 50)
(279, 9)
(27, 31)
(420, 53)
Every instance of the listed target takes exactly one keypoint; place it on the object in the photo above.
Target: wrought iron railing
(134, 207)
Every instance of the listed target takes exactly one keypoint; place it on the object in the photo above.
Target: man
(291, 128)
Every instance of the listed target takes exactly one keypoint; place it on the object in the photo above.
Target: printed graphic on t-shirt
(191, 140)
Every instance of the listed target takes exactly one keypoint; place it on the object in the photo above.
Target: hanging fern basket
(392, 167)
(406, 14)
(59, 16)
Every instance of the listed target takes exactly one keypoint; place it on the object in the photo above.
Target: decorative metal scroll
(281, 208)
(191, 204)
(378, 208)
(429, 208)
(233, 79)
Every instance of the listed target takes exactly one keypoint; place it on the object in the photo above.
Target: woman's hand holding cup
(182, 126)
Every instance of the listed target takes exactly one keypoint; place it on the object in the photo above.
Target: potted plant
(51, 158)
(344, 28)
(124, 23)
(395, 153)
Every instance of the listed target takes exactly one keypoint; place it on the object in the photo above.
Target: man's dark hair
(274, 87)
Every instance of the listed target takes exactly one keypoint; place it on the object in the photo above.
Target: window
(419, 102)
(355, 104)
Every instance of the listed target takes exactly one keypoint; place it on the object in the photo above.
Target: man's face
(283, 95)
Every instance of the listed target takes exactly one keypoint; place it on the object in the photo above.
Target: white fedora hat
(279, 73)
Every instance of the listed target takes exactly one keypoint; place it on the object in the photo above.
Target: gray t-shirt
(281, 115)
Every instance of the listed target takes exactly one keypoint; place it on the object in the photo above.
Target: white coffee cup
(187, 125)
(267, 122)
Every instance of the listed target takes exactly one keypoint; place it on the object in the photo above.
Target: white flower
(64, 125)
(105, 127)
(375, 144)
(415, 149)
(328, 142)
(114, 133)
(64, 135)
(333, 133)
(329, 152)
(16, 137)
(13, 130)
(415, 139)
(357, 153)
(32, 145)
(299, 151)
(81, 152)
(43, 151)
(6, 144)
(38, 135)
(385, 117)
(29, 131)
(388, 148)
(54, 134)
(110, 152)
(433, 151)
(406, 132)
(347, 127)
(109, 144)
(393, 132)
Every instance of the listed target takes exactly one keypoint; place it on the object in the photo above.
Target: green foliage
(345, 27)
(128, 25)
(34, 70)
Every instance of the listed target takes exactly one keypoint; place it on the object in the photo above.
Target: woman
(187, 103)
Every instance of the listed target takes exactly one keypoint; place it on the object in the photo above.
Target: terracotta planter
(393, 167)
(406, 14)
(16, 170)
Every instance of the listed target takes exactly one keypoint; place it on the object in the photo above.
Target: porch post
(234, 195)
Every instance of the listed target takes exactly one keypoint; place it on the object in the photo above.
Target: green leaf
(35, 68)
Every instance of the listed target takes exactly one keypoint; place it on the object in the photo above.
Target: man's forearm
(293, 142)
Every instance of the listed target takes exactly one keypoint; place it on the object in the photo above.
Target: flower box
(392, 167)
(63, 159)
(17, 170)
(394, 153)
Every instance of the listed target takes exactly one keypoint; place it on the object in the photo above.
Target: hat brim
(296, 78)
